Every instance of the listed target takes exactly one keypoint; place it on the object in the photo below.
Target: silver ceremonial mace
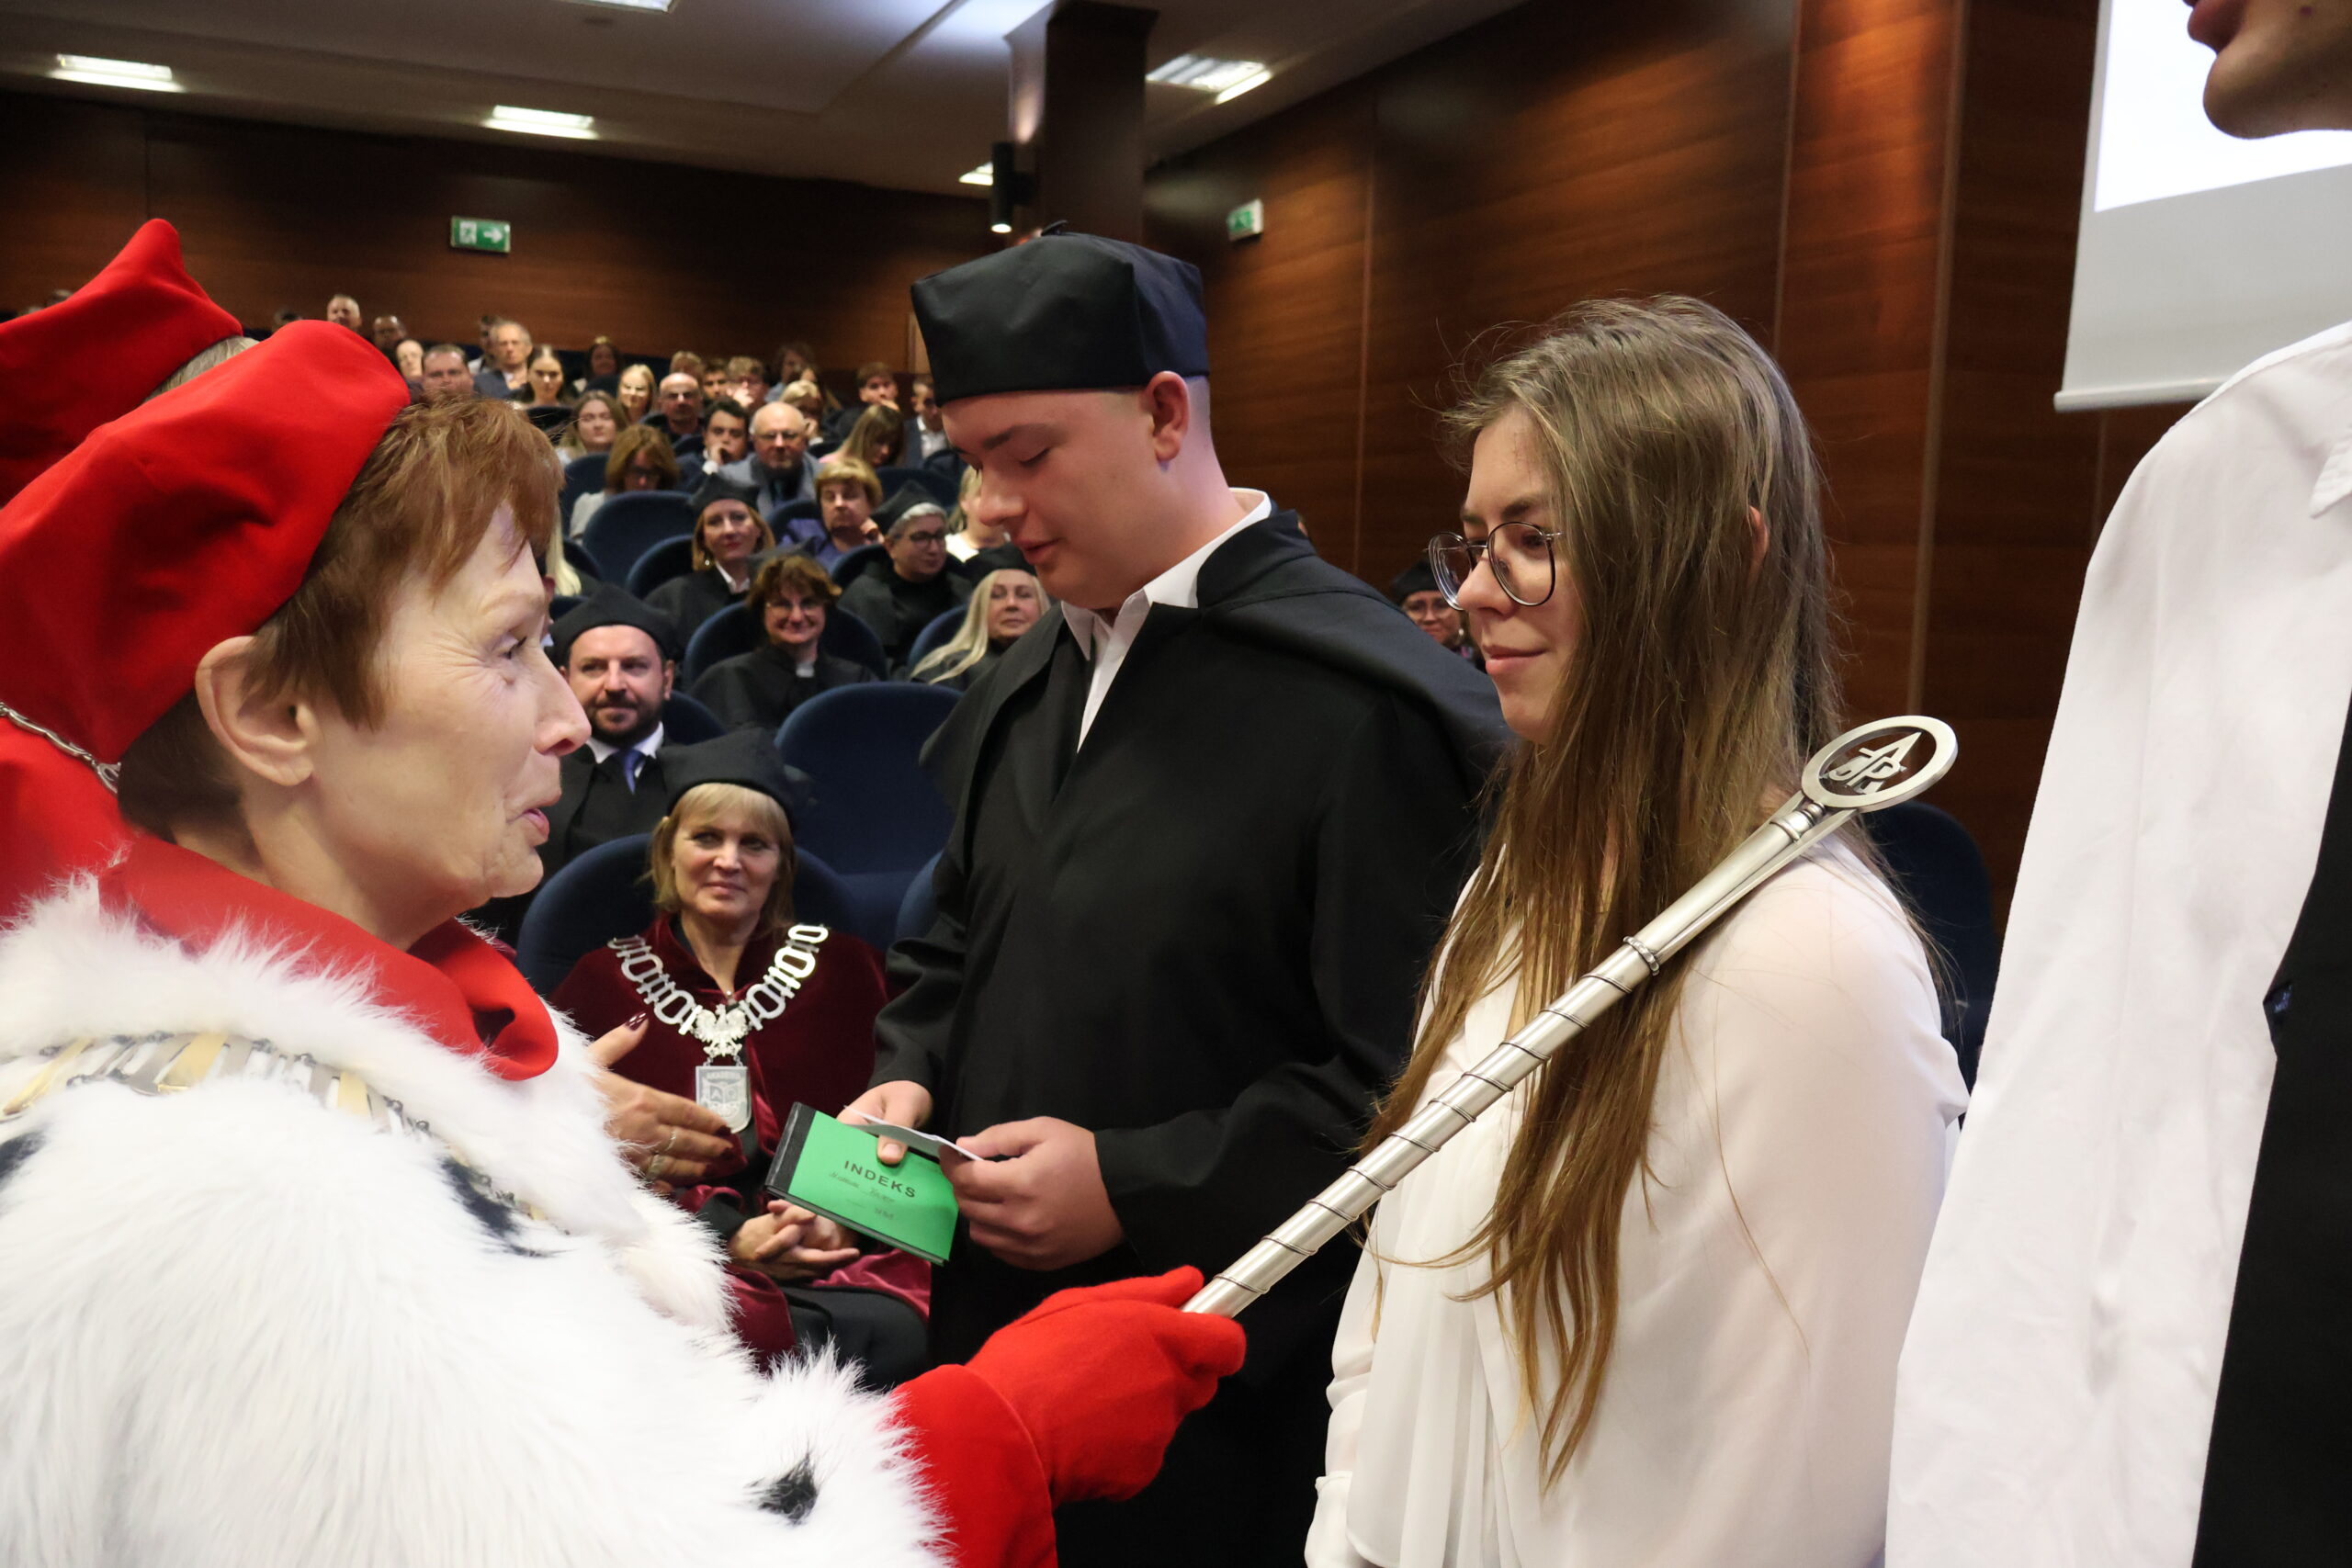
(1862, 770)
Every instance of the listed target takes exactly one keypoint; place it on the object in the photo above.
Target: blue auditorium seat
(936, 635)
(627, 526)
(874, 816)
(940, 487)
(582, 476)
(796, 511)
(921, 906)
(604, 895)
(686, 721)
(671, 558)
(732, 631)
(855, 564)
(1941, 875)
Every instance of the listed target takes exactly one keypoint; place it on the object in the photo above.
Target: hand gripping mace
(1875, 765)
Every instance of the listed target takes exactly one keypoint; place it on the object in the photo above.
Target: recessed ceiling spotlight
(628, 5)
(542, 122)
(1210, 76)
(100, 72)
(983, 176)
(1000, 228)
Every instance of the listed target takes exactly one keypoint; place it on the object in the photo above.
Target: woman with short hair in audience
(542, 392)
(877, 439)
(729, 532)
(636, 391)
(603, 367)
(595, 426)
(792, 597)
(1647, 1308)
(1004, 604)
(725, 978)
(640, 458)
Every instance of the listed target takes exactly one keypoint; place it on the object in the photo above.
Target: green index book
(830, 1168)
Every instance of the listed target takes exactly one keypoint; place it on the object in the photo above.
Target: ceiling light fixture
(1209, 75)
(983, 176)
(1000, 228)
(98, 72)
(628, 5)
(542, 122)
(1257, 78)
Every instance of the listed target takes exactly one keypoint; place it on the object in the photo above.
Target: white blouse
(1803, 1122)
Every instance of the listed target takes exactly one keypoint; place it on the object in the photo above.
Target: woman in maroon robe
(750, 1013)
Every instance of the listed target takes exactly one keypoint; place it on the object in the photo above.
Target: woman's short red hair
(422, 503)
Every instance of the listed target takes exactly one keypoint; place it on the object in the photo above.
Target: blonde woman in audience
(1004, 604)
(1648, 1309)
(636, 391)
(728, 534)
(976, 547)
(595, 426)
(877, 439)
(640, 458)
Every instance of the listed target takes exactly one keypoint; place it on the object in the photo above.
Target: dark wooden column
(1077, 113)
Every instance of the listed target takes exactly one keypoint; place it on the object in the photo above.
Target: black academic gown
(899, 610)
(597, 808)
(756, 690)
(1201, 937)
(693, 599)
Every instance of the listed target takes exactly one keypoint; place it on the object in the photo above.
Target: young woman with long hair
(1647, 1310)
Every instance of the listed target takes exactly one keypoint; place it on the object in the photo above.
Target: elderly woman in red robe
(313, 1246)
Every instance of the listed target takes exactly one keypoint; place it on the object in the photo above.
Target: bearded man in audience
(916, 588)
(343, 312)
(677, 412)
(445, 375)
(778, 468)
(620, 657)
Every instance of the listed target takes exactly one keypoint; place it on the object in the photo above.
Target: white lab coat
(2057, 1386)
(1801, 1128)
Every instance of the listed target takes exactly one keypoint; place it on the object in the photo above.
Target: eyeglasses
(1520, 555)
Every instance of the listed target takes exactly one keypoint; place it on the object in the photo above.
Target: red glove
(1096, 1380)
(1100, 1377)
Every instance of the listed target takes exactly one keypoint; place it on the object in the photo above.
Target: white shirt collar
(1180, 585)
(600, 750)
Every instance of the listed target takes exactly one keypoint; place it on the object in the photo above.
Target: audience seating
(582, 476)
(797, 512)
(936, 635)
(876, 816)
(582, 560)
(921, 906)
(671, 558)
(604, 895)
(686, 721)
(627, 526)
(561, 604)
(1941, 876)
(853, 566)
(940, 487)
(733, 631)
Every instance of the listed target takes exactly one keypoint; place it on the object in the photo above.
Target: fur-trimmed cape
(238, 1329)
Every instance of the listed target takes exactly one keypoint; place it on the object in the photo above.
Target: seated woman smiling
(726, 1000)
(308, 1220)
(792, 597)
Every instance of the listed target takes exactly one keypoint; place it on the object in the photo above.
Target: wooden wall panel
(657, 256)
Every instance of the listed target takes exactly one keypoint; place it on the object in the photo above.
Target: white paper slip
(944, 1150)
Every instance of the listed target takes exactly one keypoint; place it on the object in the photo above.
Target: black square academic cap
(717, 485)
(1415, 579)
(611, 607)
(745, 757)
(1065, 312)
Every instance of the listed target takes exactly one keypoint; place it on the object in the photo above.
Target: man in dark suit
(621, 658)
(1211, 814)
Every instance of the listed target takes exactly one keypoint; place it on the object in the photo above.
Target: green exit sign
(480, 234)
(1245, 222)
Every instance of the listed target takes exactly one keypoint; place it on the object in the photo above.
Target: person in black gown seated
(914, 587)
(1005, 605)
(729, 532)
(791, 595)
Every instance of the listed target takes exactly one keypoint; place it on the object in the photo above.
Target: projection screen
(2199, 253)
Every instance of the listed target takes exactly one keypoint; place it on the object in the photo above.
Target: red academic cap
(188, 521)
(118, 338)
